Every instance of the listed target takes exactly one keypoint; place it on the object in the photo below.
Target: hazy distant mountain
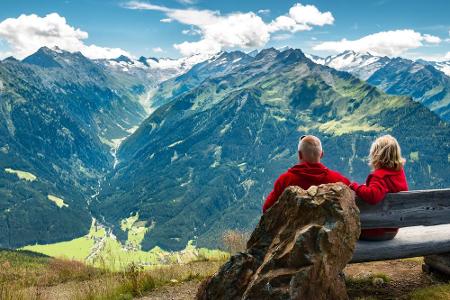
(425, 81)
(443, 66)
(156, 68)
(205, 159)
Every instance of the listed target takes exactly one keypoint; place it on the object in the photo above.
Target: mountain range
(427, 82)
(222, 132)
(202, 138)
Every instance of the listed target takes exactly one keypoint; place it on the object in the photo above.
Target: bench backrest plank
(404, 209)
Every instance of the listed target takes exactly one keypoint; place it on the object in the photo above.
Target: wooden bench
(424, 219)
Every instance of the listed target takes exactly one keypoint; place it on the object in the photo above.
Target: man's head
(309, 149)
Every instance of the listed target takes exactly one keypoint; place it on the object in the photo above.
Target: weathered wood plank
(409, 242)
(413, 208)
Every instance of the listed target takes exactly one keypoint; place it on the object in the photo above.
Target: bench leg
(438, 262)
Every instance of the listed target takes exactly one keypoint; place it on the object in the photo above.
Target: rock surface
(297, 251)
(438, 262)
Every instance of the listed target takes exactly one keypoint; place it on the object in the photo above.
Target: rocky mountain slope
(206, 158)
(427, 82)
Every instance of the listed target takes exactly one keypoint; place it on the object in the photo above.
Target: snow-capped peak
(165, 68)
(361, 64)
(443, 66)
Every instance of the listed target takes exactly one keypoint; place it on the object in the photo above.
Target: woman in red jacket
(387, 177)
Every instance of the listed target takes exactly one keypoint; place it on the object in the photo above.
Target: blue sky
(152, 28)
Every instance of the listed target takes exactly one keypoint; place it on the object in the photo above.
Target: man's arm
(338, 177)
(278, 189)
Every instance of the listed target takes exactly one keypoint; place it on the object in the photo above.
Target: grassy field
(101, 249)
(22, 174)
(28, 275)
(58, 201)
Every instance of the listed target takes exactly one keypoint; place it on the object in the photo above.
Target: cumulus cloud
(390, 43)
(310, 15)
(158, 50)
(431, 39)
(166, 20)
(27, 33)
(240, 30)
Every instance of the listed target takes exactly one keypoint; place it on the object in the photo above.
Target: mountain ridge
(423, 81)
(204, 159)
(59, 122)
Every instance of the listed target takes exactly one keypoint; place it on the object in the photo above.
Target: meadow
(100, 248)
(132, 274)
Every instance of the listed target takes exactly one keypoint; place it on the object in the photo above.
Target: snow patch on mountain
(365, 65)
(361, 64)
(159, 69)
(443, 66)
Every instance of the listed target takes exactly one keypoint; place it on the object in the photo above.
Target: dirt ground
(404, 276)
(182, 291)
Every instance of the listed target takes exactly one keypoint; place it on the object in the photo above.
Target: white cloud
(191, 31)
(285, 23)
(236, 30)
(166, 20)
(264, 11)
(310, 15)
(436, 57)
(390, 43)
(282, 36)
(431, 39)
(188, 2)
(158, 50)
(27, 33)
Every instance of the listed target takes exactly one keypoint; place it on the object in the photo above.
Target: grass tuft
(437, 292)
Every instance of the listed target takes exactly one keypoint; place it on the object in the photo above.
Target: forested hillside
(60, 115)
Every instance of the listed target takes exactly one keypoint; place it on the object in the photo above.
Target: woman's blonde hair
(385, 152)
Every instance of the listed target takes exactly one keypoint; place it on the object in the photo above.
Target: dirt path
(405, 276)
(182, 291)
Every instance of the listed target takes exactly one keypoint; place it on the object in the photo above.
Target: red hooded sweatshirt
(303, 175)
(378, 184)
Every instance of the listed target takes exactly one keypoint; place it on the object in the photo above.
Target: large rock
(297, 251)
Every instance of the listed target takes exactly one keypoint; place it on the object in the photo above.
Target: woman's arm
(373, 193)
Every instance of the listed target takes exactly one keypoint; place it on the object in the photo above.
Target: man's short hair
(310, 147)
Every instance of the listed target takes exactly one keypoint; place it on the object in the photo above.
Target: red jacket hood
(315, 172)
(395, 180)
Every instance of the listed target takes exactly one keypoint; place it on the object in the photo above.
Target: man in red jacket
(309, 171)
